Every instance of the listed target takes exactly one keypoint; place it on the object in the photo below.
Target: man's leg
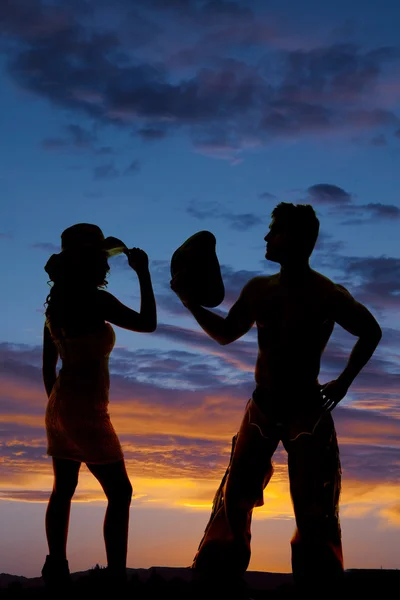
(315, 482)
(217, 517)
(224, 551)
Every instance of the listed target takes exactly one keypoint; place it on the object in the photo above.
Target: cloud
(375, 280)
(381, 211)
(47, 247)
(327, 246)
(205, 211)
(149, 134)
(176, 410)
(243, 222)
(219, 149)
(180, 369)
(327, 193)
(266, 196)
(206, 11)
(188, 77)
(76, 138)
(365, 214)
(392, 513)
(341, 203)
(379, 140)
(80, 136)
(106, 171)
(110, 171)
(372, 280)
(37, 496)
(32, 20)
(134, 167)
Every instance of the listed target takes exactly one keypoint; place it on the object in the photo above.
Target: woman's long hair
(75, 277)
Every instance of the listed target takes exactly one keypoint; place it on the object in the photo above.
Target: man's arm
(49, 361)
(223, 330)
(355, 318)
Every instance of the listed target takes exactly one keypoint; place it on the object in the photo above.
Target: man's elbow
(228, 336)
(225, 340)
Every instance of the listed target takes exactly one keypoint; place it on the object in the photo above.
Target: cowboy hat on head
(78, 241)
(87, 235)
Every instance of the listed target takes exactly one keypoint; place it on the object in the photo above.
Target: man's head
(292, 233)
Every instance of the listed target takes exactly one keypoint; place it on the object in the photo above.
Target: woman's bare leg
(114, 480)
(58, 510)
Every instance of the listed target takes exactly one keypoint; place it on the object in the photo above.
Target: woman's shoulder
(104, 300)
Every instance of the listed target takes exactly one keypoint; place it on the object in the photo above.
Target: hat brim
(113, 246)
(196, 265)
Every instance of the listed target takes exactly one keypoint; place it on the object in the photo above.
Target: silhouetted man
(295, 311)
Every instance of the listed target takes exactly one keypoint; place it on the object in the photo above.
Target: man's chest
(291, 310)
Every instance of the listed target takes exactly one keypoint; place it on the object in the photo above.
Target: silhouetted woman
(77, 330)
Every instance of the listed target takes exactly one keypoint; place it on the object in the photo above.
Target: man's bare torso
(294, 325)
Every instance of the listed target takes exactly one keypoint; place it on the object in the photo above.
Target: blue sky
(156, 119)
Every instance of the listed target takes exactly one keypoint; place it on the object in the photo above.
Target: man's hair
(301, 221)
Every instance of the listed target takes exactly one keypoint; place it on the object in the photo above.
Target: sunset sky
(155, 119)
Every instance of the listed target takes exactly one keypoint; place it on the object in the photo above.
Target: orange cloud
(177, 449)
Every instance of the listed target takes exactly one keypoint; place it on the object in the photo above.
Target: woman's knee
(120, 493)
(66, 475)
(127, 491)
(64, 488)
